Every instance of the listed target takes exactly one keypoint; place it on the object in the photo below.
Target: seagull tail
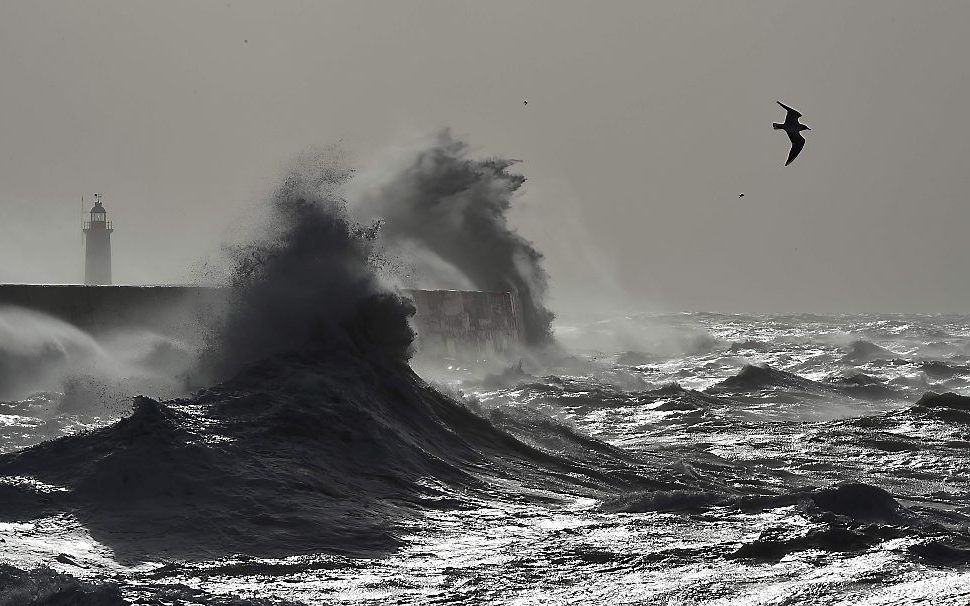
(778, 126)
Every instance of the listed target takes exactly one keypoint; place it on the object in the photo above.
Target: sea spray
(38, 351)
(450, 210)
(94, 373)
(309, 281)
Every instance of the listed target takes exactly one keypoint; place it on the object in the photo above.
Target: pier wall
(449, 323)
(465, 323)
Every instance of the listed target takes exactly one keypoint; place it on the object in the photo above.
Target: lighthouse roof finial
(97, 208)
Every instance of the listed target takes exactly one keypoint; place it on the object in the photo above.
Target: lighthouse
(97, 245)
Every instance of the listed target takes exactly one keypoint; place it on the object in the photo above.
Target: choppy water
(679, 459)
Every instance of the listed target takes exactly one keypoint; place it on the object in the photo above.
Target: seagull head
(803, 127)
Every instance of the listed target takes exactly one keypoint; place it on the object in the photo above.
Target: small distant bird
(741, 195)
(525, 102)
(794, 129)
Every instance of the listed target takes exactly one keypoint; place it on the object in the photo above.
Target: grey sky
(645, 121)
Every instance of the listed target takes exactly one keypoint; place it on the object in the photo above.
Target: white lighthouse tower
(97, 246)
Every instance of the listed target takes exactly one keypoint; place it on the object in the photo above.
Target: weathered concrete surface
(168, 309)
(449, 322)
(459, 323)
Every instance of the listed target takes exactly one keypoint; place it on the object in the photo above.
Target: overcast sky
(645, 121)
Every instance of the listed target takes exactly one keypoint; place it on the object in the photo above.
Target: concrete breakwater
(449, 323)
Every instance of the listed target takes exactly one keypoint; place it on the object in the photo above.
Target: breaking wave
(309, 433)
(317, 436)
(444, 205)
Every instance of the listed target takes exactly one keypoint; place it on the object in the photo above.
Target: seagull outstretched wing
(797, 143)
(790, 110)
(791, 118)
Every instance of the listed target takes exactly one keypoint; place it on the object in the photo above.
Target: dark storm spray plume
(456, 208)
(308, 282)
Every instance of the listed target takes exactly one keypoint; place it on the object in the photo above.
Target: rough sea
(693, 458)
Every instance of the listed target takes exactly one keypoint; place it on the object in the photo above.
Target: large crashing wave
(444, 203)
(319, 437)
(308, 282)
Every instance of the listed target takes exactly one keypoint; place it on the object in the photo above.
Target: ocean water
(693, 458)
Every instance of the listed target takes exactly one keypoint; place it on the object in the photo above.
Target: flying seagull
(794, 130)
